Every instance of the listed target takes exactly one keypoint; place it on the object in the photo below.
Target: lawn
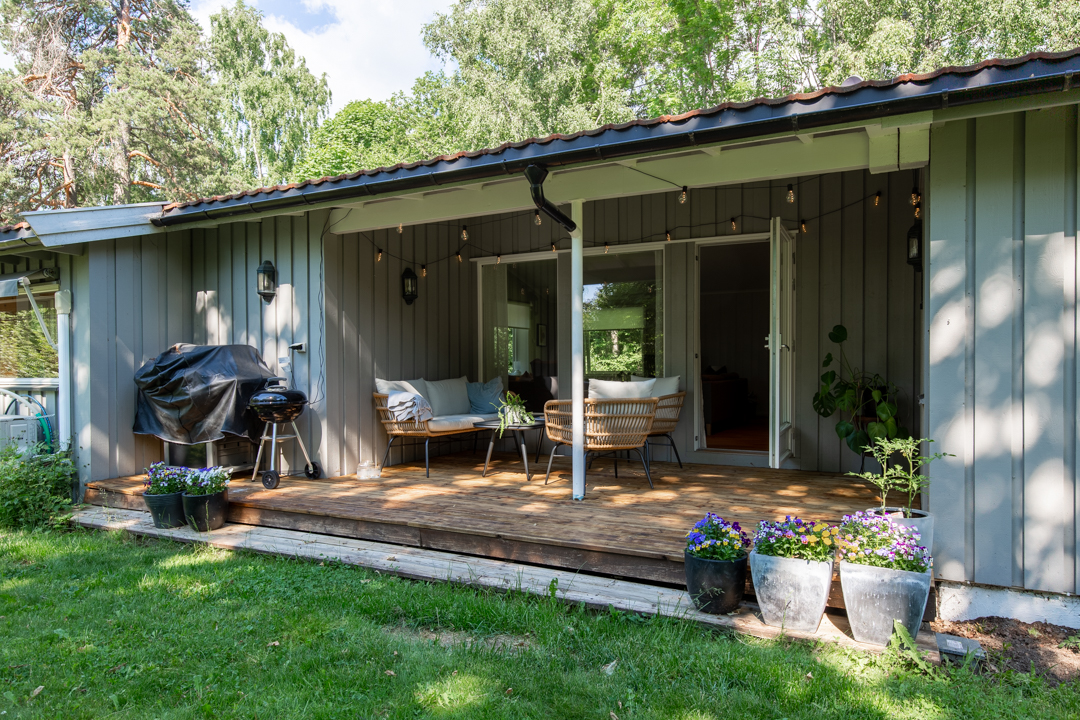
(104, 625)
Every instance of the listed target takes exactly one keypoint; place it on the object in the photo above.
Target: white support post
(63, 356)
(577, 345)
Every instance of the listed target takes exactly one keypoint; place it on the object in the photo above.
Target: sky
(367, 48)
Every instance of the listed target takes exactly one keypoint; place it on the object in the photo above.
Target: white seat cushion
(664, 385)
(448, 423)
(416, 387)
(613, 389)
(449, 397)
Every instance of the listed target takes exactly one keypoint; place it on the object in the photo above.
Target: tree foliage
(272, 103)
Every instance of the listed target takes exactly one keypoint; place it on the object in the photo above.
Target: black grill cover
(198, 393)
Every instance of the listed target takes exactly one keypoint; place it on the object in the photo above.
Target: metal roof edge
(73, 226)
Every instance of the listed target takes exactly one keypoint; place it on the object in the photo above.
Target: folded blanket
(409, 406)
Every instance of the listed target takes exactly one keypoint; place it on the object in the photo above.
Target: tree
(115, 99)
(273, 103)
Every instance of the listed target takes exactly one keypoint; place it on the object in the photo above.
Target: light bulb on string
(877, 198)
(538, 220)
(400, 228)
(459, 256)
(378, 256)
(423, 270)
(733, 224)
(553, 248)
(791, 193)
(918, 211)
(464, 234)
(802, 224)
(667, 236)
(605, 248)
(915, 196)
(498, 259)
(682, 196)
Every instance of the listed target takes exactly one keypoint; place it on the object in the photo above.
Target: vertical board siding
(1002, 348)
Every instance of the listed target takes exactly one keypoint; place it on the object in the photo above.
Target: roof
(19, 231)
(947, 87)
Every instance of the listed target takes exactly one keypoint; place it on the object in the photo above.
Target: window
(24, 351)
(624, 315)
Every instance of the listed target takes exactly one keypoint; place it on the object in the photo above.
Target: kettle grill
(277, 405)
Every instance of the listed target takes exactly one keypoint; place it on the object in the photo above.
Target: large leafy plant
(865, 402)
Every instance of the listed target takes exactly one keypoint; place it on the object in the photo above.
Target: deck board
(623, 528)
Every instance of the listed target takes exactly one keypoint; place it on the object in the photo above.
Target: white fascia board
(59, 228)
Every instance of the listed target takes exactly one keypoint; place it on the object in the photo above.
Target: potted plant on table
(164, 488)
(511, 410)
(885, 575)
(905, 476)
(791, 566)
(715, 562)
(206, 498)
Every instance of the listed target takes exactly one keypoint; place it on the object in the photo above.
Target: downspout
(536, 174)
(63, 356)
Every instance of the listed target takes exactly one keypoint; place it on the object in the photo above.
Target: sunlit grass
(111, 626)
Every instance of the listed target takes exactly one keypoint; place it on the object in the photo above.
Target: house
(934, 216)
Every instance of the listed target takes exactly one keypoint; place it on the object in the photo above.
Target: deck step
(437, 566)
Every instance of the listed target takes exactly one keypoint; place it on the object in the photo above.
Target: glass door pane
(624, 315)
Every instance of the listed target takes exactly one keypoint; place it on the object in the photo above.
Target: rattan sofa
(437, 427)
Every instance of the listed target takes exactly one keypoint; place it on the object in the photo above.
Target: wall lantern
(914, 246)
(410, 286)
(266, 281)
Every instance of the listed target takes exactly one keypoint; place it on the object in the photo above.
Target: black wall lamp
(266, 281)
(410, 286)
(914, 245)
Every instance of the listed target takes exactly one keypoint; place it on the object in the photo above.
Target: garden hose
(46, 423)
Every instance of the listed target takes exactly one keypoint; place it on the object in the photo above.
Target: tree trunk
(121, 162)
(70, 197)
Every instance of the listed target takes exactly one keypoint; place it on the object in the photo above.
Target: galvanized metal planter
(715, 586)
(791, 593)
(206, 512)
(921, 520)
(167, 511)
(876, 596)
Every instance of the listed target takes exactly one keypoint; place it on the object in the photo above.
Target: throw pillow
(664, 385)
(416, 387)
(484, 397)
(448, 397)
(609, 389)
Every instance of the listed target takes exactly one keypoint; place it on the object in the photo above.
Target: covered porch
(625, 530)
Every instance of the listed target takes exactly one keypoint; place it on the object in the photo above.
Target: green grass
(110, 626)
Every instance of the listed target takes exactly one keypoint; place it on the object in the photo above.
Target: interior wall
(1002, 367)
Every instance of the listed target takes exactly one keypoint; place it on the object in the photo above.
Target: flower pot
(791, 593)
(167, 510)
(876, 596)
(921, 520)
(206, 512)
(715, 586)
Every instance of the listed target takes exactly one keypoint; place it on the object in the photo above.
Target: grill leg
(644, 465)
(427, 458)
(300, 441)
(258, 456)
(273, 448)
(386, 455)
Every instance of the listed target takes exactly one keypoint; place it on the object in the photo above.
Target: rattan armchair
(668, 408)
(610, 425)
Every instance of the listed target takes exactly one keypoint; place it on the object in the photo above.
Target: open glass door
(781, 342)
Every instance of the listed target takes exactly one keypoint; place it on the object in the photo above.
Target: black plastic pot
(206, 512)
(715, 586)
(167, 511)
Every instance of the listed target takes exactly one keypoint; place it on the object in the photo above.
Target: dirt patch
(457, 638)
(1052, 651)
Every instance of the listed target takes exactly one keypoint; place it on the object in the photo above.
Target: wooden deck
(622, 529)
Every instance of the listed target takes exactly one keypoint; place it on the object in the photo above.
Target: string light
(918, 211)
(732, 224)
(498, 259)
(877, 198)
(459, 256)
(423, 270)
(682, 196)
(791, 193)
(606, 248)
(464, 233)
(667, 236)
(915, 195)
(553, 247)
(802, 224)
(378, 257)
(400, 228)
(538, 220)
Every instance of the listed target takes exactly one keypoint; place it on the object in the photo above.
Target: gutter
(536, 174)
(697, 130)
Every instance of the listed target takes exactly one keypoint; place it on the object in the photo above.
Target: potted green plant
(715, 562)
(206, 498)
(511, 410)
(885, 576)
(164, 488)
(901, 466)
(866, 402)
(791, 566)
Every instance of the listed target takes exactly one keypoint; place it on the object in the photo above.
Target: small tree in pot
(715, 562)
(164, 488)
(206, 498)
(885, 575)
(791, 566)
(901, 470)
